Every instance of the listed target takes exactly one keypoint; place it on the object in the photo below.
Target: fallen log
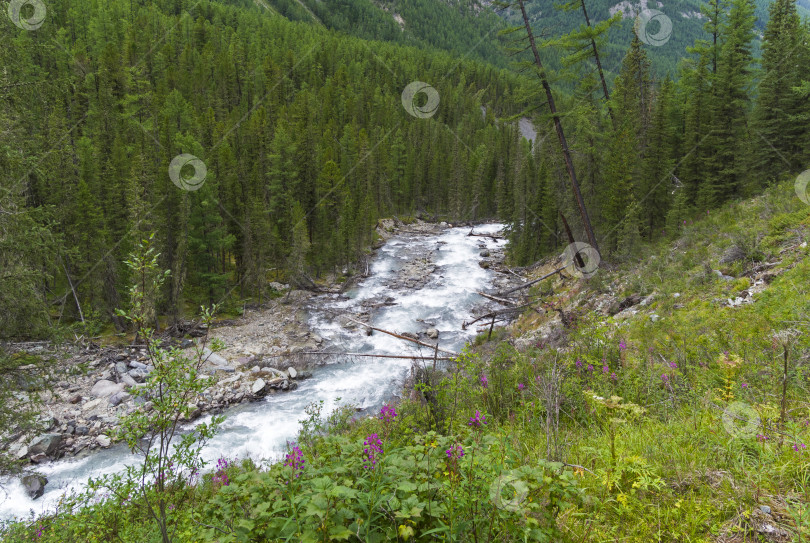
(497, 313)
(496, 299)
(493, 236)
(530, 283)
(406, 338)
(366, 355)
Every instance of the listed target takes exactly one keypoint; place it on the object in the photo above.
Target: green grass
(678, 471)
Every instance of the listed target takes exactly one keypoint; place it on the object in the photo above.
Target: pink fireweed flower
(579, 363)
(372, 451)
(484, 381)
(455, 452)
(622, 345)
(221, 475)
(762, 437)
(605, 369)
(799, 447)
(664, 377)
(295, 460)
(744, 385)
(613, 376)
(387, 413)
(477, 420)
(590, 367)
(520, 386)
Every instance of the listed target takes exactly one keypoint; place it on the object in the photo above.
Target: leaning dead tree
(569, 163)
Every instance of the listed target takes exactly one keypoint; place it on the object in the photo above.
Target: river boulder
(105, 389)
(34, 485)
(45, 444)
(258, 387)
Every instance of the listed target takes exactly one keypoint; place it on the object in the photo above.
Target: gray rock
(765, 509)
(92, 404)
(226, 369)
(655, 317)
(105, 389)
(128, 381)
(273, 371)
(258, 386)
(121, 368)
(317, 339)
(292, 372)
(103, 441)
(82, 430)
(138, 375)
(255, 369)
(484, 253)
(45, 444)
(186, 343)
(432, 333)
(213, 358)
(137, 365)
(34, 485)
(18, 451)
(119, 397)
(719, 274)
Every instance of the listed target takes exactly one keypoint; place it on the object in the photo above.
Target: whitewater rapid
(260, 430)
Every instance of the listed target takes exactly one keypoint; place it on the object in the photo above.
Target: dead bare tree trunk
(578, 257)
(569, 163)
(599, 66)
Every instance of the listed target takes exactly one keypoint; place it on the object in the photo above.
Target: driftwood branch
(367, 355)
(496, 299)
(530, 283)
(406, 338)
(497, 313)
(493, 236)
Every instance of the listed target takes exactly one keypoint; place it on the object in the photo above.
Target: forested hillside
(303, 140)
(301, 132)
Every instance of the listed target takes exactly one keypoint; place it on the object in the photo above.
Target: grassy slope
(678, 472)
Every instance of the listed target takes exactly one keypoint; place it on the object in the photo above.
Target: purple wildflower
(744, 385)
(295, 460)
(387, 413)
(673, 365)
(520, 386)
(590, 367)
(622, 345)
(613, 377)
(455, 452)
(477, 420)
(762, 437)
(221, 476)
(664, 377)
(484, 381)
(579, 363)
(799, 447)
(372, 451)
(605, 370)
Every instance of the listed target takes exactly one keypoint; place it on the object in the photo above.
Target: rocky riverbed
(267, 351)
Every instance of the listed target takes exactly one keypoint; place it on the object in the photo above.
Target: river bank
(268, 350)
